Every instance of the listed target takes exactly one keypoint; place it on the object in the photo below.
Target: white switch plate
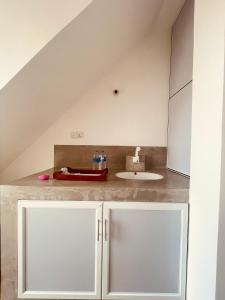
(78, 134)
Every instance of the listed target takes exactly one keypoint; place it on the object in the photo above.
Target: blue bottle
(94, 161)
(98, 161)
(104, 159)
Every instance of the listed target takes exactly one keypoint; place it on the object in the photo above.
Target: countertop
(171, 180)
(172, 188)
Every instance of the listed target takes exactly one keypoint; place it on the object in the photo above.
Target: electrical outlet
(78, 134)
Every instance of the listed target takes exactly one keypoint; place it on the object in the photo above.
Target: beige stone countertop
(172, 188)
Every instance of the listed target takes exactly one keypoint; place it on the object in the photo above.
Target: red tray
(82, 175)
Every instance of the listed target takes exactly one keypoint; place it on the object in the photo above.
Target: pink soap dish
(43, 177)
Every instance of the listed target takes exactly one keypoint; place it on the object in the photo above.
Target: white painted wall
(68, 66)
(137, 116)
(207, 113)
(27, 26)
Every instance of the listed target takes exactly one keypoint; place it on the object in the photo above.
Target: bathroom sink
(139, 175)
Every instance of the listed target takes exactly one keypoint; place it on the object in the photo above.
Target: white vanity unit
(102, 250)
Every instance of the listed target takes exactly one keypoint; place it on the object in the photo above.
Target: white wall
(207, 113)
(137, 116)
(76, 59)
(27, 26)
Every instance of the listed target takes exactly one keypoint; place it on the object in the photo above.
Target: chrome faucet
(136, 158)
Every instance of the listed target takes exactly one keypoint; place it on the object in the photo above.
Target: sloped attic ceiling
(70, 64)
(27, 26)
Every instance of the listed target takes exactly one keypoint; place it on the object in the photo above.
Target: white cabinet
(60, 250)
(180, 102)
(144, 251)
(182, 49)
(179, 131)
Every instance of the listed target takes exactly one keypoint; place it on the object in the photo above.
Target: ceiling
(27, 26)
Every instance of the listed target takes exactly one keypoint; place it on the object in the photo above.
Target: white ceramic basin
(139, 175)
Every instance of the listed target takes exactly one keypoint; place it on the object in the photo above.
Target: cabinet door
(179, 131)
(144, 251)
(182, 48)
(59, 249)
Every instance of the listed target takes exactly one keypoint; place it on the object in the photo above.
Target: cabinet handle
(105, 230)
(98, 230)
